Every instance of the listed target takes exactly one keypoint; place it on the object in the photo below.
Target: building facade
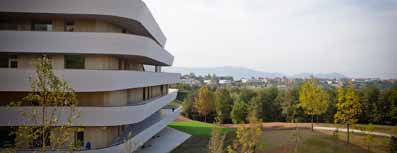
(110, 52)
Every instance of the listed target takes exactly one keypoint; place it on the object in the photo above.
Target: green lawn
(195, 128)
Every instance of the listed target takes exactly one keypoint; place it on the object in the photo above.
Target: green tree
(53, 97)
(271, 108)
(223, 104)
(289, 100)
(313, 99)
(388, 103)
(370, 105)
(248, 137)
(187, 104)
(239, 112)
(204, 102)
(348, 106)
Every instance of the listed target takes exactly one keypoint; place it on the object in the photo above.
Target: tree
(271, 108)
(223, 104)
(348, 107)
(371, 110)
(53, 97)
(313, 99)
(217, 140)
(369, 137)
(239, 112)
(204, 101)
(289, 100)
(248, 137)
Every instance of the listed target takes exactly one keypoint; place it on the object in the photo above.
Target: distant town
(194, 80)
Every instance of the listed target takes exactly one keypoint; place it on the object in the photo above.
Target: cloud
(353, 37)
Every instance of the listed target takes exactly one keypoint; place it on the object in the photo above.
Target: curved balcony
(145, 133)
(89, 116)
(88, 80)
(126, 12)
(85, 43)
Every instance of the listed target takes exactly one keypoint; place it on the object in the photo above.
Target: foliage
(54, 97)
(248, 137)
(239, 112)
(216, 142)
(313, 99)
(369, 137)
(348, 105)
(370, 104)
(223, 104)
(289, 100)
(204, 101)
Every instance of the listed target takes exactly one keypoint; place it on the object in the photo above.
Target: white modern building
(110, 52)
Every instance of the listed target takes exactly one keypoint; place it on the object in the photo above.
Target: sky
(353, 37)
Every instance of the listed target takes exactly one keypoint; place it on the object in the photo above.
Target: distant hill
(319, 75)
(235, 72)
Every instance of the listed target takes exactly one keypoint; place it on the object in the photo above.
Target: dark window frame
(74, 61)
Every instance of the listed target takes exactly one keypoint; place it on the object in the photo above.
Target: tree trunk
(348, 133)
(43, 130)
(312, 123)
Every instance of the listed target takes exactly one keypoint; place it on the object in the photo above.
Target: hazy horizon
(351, 37)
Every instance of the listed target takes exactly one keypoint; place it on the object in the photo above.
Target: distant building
(191, 82)
(210, 82)
(224, 82)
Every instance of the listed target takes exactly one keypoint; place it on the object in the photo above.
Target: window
(42, 26)
(8, 61)
(3, 61)
(74, 62)
(157, 68)
(13, 62)
(80, 138)
(69, 26)
(8, 25)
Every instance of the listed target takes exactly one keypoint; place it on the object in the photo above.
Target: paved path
(353, 131)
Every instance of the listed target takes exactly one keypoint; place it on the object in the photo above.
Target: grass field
(195, 128)
(283, 141)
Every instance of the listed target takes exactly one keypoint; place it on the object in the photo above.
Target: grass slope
(195, 128)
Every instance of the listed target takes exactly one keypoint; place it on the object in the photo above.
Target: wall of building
(101, 62)
(100, 137)
(111, 98)
(80, 25)
(92, 62)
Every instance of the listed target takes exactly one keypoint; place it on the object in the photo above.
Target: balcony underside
(17, 80)
(165, 141)
(89, 116)
(118, 44)
(124, 12)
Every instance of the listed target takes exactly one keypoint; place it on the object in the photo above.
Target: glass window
(3, 61)
(8, 61)
(42, 26)
(74, 62)
(8, 25)
(13, 61)
(80, 138)
(69, 26)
